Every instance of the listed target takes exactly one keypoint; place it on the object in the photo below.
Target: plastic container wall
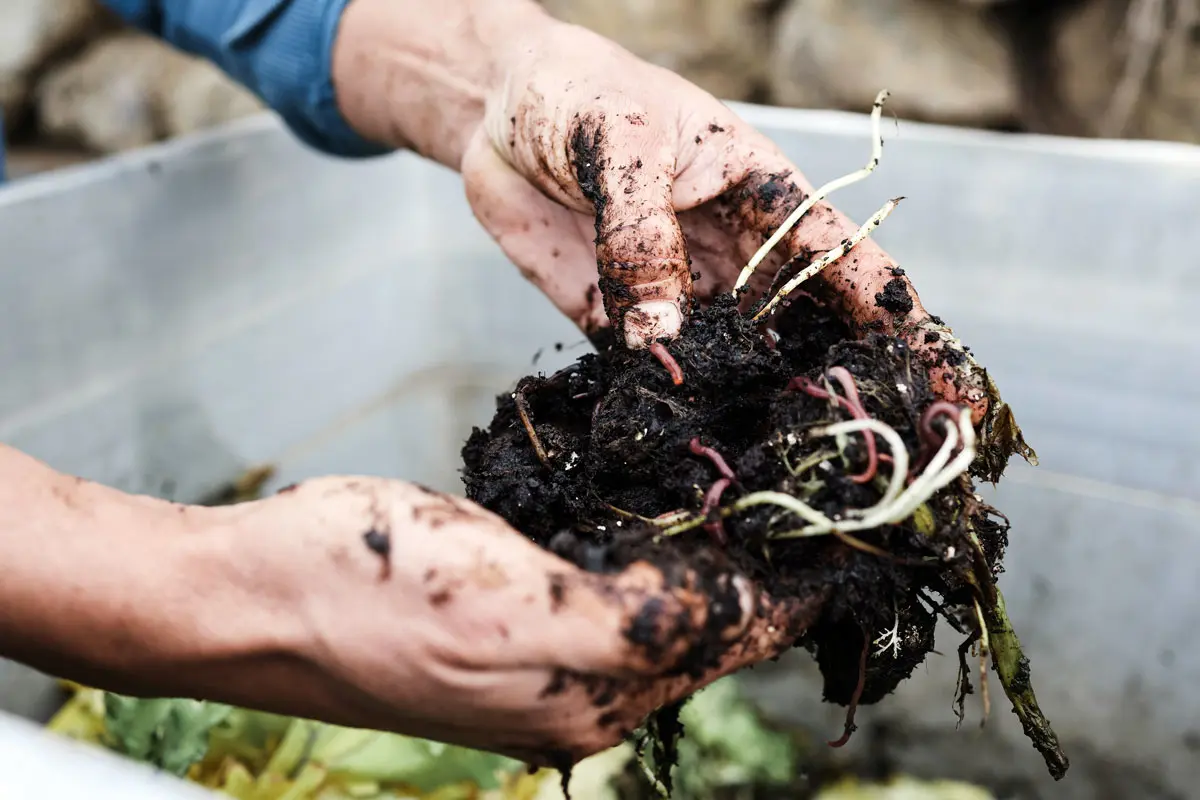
(172, 316)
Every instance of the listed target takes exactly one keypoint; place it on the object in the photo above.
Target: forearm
(116, 590)
(356, 77)
(413, 74)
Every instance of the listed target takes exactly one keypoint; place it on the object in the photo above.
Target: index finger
(626, 169)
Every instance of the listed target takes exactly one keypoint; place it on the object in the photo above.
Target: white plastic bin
(172, 316)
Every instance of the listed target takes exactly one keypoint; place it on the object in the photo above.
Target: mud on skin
(618, 438)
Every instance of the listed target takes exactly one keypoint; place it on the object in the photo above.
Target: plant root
(831, 256)
(820, 194)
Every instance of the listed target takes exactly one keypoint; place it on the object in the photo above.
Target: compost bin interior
(199, 364)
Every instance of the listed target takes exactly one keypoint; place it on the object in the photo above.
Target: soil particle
(587, 141)
(895, 297)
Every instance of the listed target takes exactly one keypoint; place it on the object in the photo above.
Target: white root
(821, 193)
(899, 454)
(830, 256)
(937, 474)
(890, 638)
(784, 501)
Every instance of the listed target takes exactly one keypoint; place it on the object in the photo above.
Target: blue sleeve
(279, 49)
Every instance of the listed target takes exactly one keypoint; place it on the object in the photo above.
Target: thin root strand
(821, 193)
(833, 255)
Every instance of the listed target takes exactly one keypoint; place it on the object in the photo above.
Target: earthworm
(858, 690)
(852, 404)
(712, 498)
(712, 455)
(659, 351)
(930, 439)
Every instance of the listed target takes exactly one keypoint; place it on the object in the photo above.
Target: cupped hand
(590, 157)
(425, 614)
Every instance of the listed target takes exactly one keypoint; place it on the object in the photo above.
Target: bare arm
(116, 589)
(419, 77)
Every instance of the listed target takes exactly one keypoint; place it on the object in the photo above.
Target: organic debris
(776, 442)
(249, 755)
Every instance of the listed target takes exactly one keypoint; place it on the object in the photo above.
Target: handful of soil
(818, 464)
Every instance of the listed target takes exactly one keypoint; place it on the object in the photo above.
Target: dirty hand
(426, 614)
(577, 154)
(365, 602)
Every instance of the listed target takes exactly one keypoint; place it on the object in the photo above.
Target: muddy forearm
(416, 75)
(120, 591)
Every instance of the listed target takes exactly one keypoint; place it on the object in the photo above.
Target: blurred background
(75, 83)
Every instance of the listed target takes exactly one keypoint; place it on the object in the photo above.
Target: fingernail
(650, 321)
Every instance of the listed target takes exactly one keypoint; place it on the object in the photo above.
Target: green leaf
(726, 745)
(421, 764)
(171, 734)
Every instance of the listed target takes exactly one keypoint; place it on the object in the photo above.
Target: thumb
(626, 169)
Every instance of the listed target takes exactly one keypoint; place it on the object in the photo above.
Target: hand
(456, 628)
(578, 155)
(589, 155)
(368, 603)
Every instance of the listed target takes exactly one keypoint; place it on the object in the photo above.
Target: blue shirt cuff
(282, 50)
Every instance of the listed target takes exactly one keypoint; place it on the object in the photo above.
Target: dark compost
(616, 458)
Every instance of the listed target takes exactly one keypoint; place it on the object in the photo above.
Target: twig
(833, 255)
(984, 652)
(523, 412)
(820, 194)
(859, 544)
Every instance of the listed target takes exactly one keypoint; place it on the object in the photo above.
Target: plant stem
(1012, 666)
